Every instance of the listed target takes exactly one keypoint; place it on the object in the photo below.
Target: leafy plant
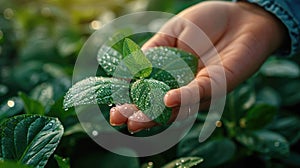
(147, 86)
(29, 139)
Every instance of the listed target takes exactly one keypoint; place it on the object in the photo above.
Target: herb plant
(151, 75)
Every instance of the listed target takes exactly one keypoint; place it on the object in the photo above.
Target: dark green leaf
(135, 59)
(30, 139)
(281, 68)
(287, 126)
(44, 94)
(289, 91)
(97, 90)
(148, 95)
(265, 142)
(172, 65)
(62, 162)
(239, 101)
(11, 107)
(186, 162)
(32, 106)
(11, 164)
(3, 90)
(260, 115)
(269, 96)
(107, 160)
(211, 151)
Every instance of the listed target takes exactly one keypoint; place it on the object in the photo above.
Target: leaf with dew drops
(186, 162)
(148, 95)
(30, 139)
(135, 60)
(172, 66)
(97, 90)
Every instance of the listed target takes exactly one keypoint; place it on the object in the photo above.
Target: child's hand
(244, 36)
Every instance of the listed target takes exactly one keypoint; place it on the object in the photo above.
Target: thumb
(210, 81)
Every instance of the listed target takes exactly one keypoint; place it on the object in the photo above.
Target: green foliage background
(39, 43)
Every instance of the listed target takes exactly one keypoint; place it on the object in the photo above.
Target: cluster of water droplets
(94, 90)
(148, 95)
(172, 61)
(109, 59)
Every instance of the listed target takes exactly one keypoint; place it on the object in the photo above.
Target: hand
(243, 34)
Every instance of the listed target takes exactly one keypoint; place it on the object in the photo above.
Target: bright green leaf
(135, 59)
(62, 162)
(186, 162)
(32, 106)
(97, 90)
(148, 95)
(30, 139)
(260, 115)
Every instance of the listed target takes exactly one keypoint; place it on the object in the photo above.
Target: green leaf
(97, 90)
(32, 106)
(266, 142)
(135, 60)
(109, 59)
(211, 151)
(280, 68)
(62, 162)
(117, 40)
(172, 66)
(287, 126)
(186, 162)
(259, 116)
(30, 139)
(44, 94)
(269, 96)
(11, 107)
(289, 91)
(11, 164)
(148, 95)
(239, 101)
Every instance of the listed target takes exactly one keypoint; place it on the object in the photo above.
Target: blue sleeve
(288, 11)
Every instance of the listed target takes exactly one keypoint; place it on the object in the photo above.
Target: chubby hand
(243, 35)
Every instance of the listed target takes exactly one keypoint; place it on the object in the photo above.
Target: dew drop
(110, 105)
(131, 133)
(66, 109)
(10, 103)
(182, 160)
(94, 133)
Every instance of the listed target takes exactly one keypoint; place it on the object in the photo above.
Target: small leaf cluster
(151, 75)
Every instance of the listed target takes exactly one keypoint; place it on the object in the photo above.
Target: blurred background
(39, 43)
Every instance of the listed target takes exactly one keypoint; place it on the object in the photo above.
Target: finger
(210, 79)
(139, 121)
(119, 114)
